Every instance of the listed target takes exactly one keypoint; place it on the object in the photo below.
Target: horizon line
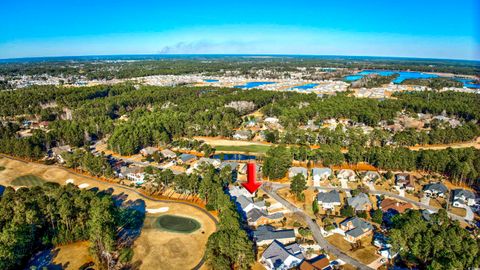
(19, 59)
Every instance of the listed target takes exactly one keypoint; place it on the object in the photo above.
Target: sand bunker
(83, 185)
(69, 181)
(157, 210)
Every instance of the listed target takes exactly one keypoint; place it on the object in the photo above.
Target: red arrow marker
(251, 185)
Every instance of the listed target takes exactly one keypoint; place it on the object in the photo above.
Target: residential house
(435, 190)
(237, 191)
(404, 181)
(59, 152)
(346, 174)
(204, 161)
(371, 176)
(243, 169)
(280, 257)
(242, 135)
(247, 204)
(361, 202)
(328, 200)
(462, 198)
(320, 262)
(381, 241)
(134, 174)
(355, 228)
(389, 205)
(293, 171)
(257, 217)
(186, 158)
(148, 151)
(167, 153)
(266, 234)
(320, 174)
(232, 164)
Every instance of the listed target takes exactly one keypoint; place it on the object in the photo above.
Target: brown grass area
(475, 143)
(73, 256)
(155, 249)
(356, 167)
(458, 211)
(366, 255)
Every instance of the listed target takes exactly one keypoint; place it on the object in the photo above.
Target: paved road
(385, 193)
(314, 228)
(122, 187)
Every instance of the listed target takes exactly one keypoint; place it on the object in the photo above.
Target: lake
(228, 157)
(405, 75)
(249, 85)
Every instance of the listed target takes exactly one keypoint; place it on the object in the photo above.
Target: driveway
(271, 188)
(469, 215)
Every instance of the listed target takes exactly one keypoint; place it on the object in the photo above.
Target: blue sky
(413, 28)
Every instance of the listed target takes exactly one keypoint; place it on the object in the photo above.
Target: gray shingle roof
(278, 253)
(186, 157)
(320, 171)
(244, 201)
(269, 233)
(358, 202)
(462, 192)
(255, 214)
(328, 197)
(436, 187)
(357, 223)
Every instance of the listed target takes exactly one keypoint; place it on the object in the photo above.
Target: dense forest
(32, 219)
(439, 243)
(133, 117)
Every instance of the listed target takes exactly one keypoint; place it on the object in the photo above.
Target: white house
(293, 171)
(435, 190)
(280, 257)
(242, 135)
(462, 198)
(328, 200)
(167, 153)
(346, 174)
(320, 174)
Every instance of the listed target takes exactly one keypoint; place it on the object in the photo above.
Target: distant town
(361, 168)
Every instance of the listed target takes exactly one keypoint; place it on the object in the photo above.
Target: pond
(405, 75)
(177, 224)
(234, 157)
(210, 80)
(305, 86)
(249, 85)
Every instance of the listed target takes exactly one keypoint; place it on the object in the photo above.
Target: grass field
(28, 180)
(259, 149)
(366, 254)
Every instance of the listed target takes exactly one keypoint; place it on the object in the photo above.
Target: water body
(249, 85)
(406, 75)
(210, 80)
(228, 157)
(305, 86)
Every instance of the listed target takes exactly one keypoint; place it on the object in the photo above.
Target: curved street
(317, 235)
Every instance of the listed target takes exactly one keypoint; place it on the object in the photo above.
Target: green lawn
(260, 149)
(28, 180)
